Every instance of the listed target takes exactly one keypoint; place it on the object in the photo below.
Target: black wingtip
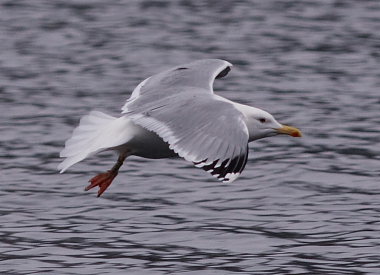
(224, 72)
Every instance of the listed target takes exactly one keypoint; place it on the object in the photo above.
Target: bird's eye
(262, 120)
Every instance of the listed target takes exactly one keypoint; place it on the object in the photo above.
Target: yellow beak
(289, 130)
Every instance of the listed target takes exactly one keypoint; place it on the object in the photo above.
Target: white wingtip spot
(230, 177)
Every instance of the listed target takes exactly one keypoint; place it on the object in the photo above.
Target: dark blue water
(302, 206)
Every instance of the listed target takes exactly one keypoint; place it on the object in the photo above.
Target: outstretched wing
(199, 74)
(179, 105)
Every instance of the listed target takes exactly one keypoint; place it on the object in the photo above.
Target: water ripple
(305, 206)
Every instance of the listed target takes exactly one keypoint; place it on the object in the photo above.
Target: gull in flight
(175, 113)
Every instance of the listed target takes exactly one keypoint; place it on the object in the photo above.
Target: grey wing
(207, 131)
(199, 74)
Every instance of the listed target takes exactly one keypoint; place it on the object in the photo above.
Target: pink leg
(103, 180)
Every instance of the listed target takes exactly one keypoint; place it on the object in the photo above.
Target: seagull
(175, 113)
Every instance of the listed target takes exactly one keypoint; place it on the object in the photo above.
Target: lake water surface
(302, 206)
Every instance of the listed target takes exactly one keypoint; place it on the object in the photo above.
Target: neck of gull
(250, 113)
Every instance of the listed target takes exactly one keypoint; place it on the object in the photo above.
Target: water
(302, 206)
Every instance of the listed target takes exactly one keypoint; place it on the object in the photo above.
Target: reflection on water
(302, 206)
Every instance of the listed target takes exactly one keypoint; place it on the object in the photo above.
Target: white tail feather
(96, 132)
